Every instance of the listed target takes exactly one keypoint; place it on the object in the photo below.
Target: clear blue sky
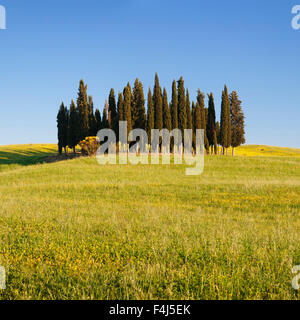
(50, 45)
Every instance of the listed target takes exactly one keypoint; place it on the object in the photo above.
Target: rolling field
(78, 230)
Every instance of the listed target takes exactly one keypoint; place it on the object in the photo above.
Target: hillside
(78, 230)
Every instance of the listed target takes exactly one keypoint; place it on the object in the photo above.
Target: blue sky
(50, 45)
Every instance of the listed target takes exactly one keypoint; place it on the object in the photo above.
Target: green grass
(78, 230)
(14, 156)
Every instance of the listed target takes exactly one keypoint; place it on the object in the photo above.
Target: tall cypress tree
(218, 129)
(82, 105)
(62, 126)
(73, 137)
(120, 106)
(157, 102)
(150, 115)
(138, 106)
(218, 135)
(113, 110)
(182, 117)
(237, 121)
(203, 115)
(225, 132)
(211, 122)
(92, 121)
(167, 122)
(105, 117)
(193, 114)
(194, 123)
(174, 106)
(197, 117)
(98, 120)
(127, 107)
(188, 111)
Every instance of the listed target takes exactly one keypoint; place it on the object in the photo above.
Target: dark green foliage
(197, 121)
(237, 121)
(203, 116)
(92, 120)
(83, 111)
(194, 123)
(218, 132)
(138, 106)
(127, 107)
(215, 145)
(98, 120)
(105, 117)
(182, 117)
(197, 117)
(188, 111)
(201, 102)
(167, 122)
(211, 121)
(73, 137)
(62, 126)
(157, 102)
(150, 115)
(112, 104)
(120, 106)
(114, 120)
(174, 106)
(80, 122)
(193, 114)
(225, 132)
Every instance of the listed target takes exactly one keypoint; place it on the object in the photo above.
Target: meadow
(77, 230)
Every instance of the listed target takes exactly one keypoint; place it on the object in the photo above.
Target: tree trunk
(74, 150)
(233, 151)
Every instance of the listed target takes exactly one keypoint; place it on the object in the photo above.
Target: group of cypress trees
(80, 121)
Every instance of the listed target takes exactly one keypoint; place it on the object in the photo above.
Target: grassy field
(78, 230)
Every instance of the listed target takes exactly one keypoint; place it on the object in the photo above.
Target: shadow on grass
(25, 157)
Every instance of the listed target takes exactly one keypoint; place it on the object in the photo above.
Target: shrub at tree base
(89, 146)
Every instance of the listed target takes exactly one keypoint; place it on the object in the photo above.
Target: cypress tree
(150, 115)
(218, 135)
(73, 137)
(90, 105)
(193, 114)
(62, 126)
(188, 111)
(215, 145)
(194, 123)
(218, 129)
(127, 107)
(237, 121)
(225, 132)
(82, 106)
(182, 117)
(198, 117)
(92, 120)
(211, 121)
(105, 117)
(167, 122)
(157, 102)
(203, 115)
(174, 106)
(120, 107)
(113, 110)
(138, 106)
(98, 120)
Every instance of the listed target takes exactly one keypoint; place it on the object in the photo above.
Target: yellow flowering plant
(89, 146)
